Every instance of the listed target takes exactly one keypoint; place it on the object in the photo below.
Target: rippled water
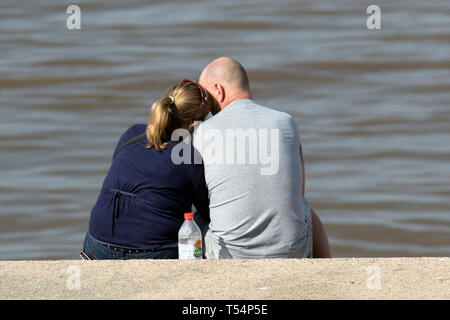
(373, 108)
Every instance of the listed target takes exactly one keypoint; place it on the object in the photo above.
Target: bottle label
(190, 250)
(198, 249)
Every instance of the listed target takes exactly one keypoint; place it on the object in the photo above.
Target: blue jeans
(95, 250)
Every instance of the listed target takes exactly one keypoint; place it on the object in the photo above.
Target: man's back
(253, 173)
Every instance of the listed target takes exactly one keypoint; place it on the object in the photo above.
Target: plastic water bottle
(189, 239)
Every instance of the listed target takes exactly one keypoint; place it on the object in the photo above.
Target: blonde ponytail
(178, 109)
(158, 123)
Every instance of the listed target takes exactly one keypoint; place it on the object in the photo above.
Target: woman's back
(145, 194)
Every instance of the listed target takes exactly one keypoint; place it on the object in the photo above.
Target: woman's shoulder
(131, 132)
(135, 130)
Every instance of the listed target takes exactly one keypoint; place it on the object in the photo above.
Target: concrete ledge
(349, 278)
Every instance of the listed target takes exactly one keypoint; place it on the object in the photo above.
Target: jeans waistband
(131, 250)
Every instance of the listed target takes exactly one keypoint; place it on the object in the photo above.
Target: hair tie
(172, 100)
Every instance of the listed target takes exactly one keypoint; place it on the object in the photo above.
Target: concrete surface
(346, 278)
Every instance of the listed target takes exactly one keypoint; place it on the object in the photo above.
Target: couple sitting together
(243, 211)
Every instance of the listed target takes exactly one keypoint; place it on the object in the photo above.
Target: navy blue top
(145, 195)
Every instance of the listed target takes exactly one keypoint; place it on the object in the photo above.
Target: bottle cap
(189, 215)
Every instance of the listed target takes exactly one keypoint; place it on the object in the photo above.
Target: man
(257, 207)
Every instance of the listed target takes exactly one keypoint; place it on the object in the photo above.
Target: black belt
(130, 250)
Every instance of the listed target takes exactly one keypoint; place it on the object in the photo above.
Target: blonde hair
(178, 109)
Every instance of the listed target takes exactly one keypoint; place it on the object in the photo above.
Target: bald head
(228, 71)
(226, 80)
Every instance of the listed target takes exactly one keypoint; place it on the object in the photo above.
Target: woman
(144, 196)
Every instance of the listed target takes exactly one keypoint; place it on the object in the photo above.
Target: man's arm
(321, 247)
(303, 179)
(303, 170)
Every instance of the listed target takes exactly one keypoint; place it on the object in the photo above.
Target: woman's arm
(201, 194)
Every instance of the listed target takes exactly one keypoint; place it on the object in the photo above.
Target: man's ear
(219, 92)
